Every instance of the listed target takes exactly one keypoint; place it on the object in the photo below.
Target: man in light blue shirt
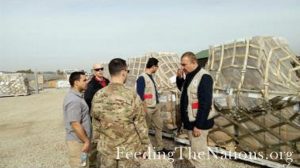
(77, 119)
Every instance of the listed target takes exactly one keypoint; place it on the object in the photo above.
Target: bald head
(96, 66)
(98, 70)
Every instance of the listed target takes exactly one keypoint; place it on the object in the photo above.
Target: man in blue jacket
(195, 103)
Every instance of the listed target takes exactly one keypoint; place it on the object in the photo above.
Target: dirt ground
(32, 133)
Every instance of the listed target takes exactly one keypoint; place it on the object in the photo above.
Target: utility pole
(36, 82)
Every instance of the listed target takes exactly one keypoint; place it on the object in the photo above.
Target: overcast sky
(65, 34)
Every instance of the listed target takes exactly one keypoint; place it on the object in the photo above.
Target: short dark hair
(152, 62)
(116, 65)
(75, 76)
(190, 55)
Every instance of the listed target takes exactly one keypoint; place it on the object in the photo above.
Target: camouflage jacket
(119, 120)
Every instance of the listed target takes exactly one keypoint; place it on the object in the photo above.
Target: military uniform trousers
(112, 162)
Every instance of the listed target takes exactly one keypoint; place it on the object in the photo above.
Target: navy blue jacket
(205, 95)
(92, 88)
(140, 87)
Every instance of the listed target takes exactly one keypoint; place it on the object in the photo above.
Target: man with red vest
(195, 104)
(147, 90)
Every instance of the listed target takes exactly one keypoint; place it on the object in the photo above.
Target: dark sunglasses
(98, 69)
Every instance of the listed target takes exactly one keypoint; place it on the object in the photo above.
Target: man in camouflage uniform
(121, 122)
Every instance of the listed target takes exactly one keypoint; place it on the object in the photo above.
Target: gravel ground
(32, 132)
(32, 135)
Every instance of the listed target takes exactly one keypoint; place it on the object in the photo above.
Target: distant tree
(59, 72)
(25, 71)
(49, 72)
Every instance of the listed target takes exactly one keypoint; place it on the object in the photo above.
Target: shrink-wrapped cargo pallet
(256, 95)
(13, 84)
